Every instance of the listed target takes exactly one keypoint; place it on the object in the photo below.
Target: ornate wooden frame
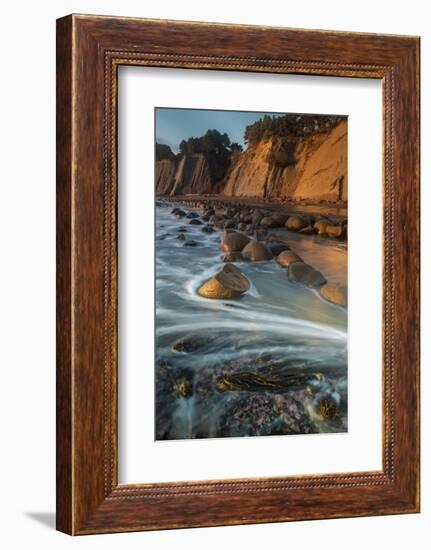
(89, 51)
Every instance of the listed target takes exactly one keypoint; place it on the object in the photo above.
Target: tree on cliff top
(216, 147)
(213, 142)
(164, 152)
(288, 126)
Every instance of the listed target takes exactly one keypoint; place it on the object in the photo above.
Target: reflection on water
(271, 362)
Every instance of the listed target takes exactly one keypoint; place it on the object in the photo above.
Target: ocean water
(286, 343)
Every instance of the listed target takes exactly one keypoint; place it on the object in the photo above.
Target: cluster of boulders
(254, 245)
(251, 219)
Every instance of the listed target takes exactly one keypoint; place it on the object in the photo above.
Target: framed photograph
(237, 274)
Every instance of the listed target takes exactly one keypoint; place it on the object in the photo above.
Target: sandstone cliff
(312, 167)
(192, 176)
(306, 167)
(165, 176)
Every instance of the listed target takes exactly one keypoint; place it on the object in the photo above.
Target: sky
(174, 125)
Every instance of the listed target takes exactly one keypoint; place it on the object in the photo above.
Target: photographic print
(251, 273)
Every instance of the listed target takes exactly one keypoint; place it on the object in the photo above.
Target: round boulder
(335, 293)
(300, 272)
(296, 223)
(256, 252)
(275, 220)
(228, 283)
(334, 230)
(207, 229)
(233, 242)
(287, 257)
(320, 226)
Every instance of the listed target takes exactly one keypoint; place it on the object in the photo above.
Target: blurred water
(285, 320)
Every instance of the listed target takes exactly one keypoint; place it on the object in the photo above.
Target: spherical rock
(296, 223)
(335, 293)
(334, 230)
(256, 252)
(287, 257)
(305, 274)
(275, 220)
(207, 229)
(227, 283)
(233, 242)
(320, 226)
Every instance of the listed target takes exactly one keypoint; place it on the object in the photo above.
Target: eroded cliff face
(323, 167)
(312, 167)
(193, 176)
(165, 176)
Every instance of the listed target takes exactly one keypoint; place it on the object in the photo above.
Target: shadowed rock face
(233, 242)
(165, 176)
(305, 274)
(228, 283)
(256, 252)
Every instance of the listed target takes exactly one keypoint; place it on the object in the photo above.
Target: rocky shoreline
(257, 233)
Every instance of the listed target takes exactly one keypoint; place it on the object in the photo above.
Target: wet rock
(228, 283)
(233, 242)
(207, 229)
(233, 257)
(320, 226)
(229, 224)
(335, 293)
(181, 237)
(334, 230)
(190, 243)
(192, 215)
(265, 414)
(179, 213)
(245, 217)
(261, 234)
(256, 218)
(256, 251)
(214, 220)
(194, 221)
(287, 257)
(182, 229)
(184, 388)
(277, 247)
(296, 223)
(275, 220)
(300, 272)
(188, 344)
(327, 408)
